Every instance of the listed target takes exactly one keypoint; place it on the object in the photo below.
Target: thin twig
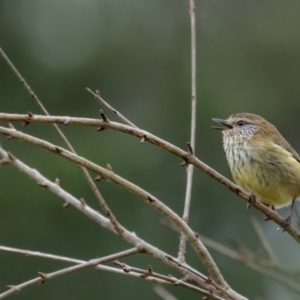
(171, 279)
(192, 144)
(191, 159)
(128, 236)
(136, 272)
(44, 277)
(208, 280)
(113, 110)
(147, 197)
(88, 178)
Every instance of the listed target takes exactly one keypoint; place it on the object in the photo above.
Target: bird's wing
(285, 145)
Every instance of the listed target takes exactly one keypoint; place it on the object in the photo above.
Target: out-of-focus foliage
(137, 53)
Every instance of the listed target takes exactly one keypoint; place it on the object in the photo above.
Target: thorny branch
(191, 159)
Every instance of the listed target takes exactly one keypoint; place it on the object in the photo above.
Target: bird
(261, 161)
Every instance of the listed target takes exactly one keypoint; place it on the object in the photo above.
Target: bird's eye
(241, 123)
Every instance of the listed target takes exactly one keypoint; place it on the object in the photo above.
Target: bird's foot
(251, 200)
(285, 224)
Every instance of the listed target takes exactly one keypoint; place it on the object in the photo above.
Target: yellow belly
(274, 180)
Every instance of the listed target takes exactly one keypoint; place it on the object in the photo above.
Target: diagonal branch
(43, 277)
(128, 236)
(147, 197)
(86, 174)
(142, 134)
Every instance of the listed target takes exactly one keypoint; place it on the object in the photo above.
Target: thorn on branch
(42, 184)
(150, 269)
(144, 138)
(66, 122)
(97, 93)
(190, 148)
(10, 156)
(103, 116)
(30, 114)
(184, 163)
(108, 167)
(66, 205)
(11, 126)
(82, 201)
(25, 123)
(150, 199)
(57, 181)
(10, 286)
(43, 277)
(98, 178)
(58, 150)
(100, 128)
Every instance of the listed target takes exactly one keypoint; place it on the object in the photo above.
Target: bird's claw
(251, 201)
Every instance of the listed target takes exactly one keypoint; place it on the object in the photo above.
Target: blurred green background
(137, 54)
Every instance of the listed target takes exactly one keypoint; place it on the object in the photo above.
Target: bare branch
(191, 159)
(86, 175)
(192, 144)
(44, 277)
(171, 279)
(101, 100)
(147, 197)
(95, 216)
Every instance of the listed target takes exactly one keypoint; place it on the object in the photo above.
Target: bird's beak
(223, 122)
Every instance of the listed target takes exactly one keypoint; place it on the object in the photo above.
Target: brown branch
(192, 143)
(175, 281)
(86, 174)
(42, 278)
(147, 197)
(113, 110)
(128, 236)
(191, 159)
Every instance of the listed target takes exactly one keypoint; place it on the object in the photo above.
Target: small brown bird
(261, 161)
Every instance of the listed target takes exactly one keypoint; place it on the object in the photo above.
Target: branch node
(98, 178)
(82, 201)
(25, 123)
(108, 167)
(10, 286)
(10, 156)
(103, 116)
(184, 163)
(144, 138)
(150, 199)
(30, 114)
(42, 184)
(43, 277)
(66, 122)
(58, 150)
(190, 148)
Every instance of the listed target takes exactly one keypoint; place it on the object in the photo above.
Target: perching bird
(261, 161)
